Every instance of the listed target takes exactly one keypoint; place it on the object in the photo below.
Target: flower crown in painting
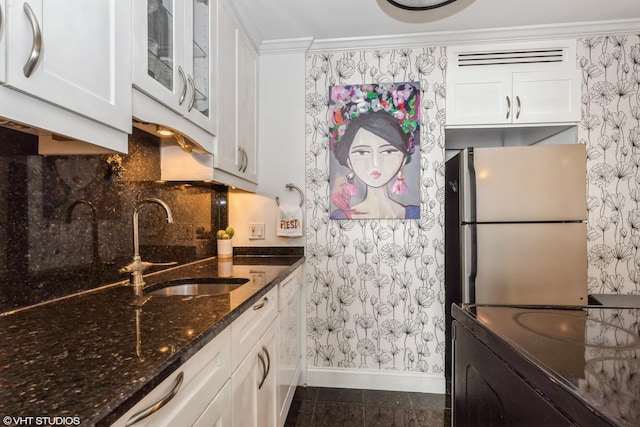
(401, 100)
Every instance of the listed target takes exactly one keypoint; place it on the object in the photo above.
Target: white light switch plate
(256, 231)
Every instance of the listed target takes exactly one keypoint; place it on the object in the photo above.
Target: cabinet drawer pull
(508, 107)
(36, 47)
(518, 108)
(183, 95)
(159, 404)
(264, 371)
(266, 353)
(193, 93)
(264, 302)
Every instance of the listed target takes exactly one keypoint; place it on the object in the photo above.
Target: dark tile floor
(333, 407)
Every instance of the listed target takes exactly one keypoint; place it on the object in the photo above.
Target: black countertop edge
(116, 409)
(545, 381)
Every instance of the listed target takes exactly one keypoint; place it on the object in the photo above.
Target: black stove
(575, 358)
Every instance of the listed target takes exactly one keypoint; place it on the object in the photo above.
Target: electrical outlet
(256, 231)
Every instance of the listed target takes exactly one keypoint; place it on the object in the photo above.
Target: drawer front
(247, 329)
(218, 413)
(203, 375)
(289, 288)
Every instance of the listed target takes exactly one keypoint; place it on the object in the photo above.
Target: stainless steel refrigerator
(515, 226)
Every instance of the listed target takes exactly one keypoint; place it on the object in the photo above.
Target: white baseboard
(376, 380)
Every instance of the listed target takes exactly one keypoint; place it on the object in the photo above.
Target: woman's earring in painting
(350, 185)
(400, 186)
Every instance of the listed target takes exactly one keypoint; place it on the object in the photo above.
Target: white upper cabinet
(227, 154)
(516, 84)
(236, 147)
(247, 106)
(174, 50)
(74, 54)
(546, 97)
(479, 99)
(3, 49)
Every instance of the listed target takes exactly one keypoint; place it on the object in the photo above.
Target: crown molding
(511, 34)
(300, 45)
(492, 35)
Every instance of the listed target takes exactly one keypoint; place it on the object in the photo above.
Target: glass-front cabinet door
(157, 39)
(174, 45)
(200, 51)
(160, 41)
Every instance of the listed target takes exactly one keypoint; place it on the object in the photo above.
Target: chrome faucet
(137, 266)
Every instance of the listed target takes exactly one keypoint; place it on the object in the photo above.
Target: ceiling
(272, 20)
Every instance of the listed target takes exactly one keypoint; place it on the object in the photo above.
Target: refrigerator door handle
(473, 271)
(472, 186)
(469, 263)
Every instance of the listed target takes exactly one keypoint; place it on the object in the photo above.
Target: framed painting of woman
(374, 137)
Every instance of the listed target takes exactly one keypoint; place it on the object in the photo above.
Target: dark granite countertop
(94, 355)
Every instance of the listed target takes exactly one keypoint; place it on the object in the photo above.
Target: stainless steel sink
(197, 286)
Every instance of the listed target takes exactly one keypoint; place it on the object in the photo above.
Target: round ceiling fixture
(419, 4)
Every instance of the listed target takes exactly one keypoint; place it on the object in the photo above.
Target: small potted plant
(225, 244)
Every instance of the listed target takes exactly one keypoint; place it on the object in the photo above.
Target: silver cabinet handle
(36, 47)
(264, 371)
(193, 93)
(184, 85)
(241, 151)
(266, 353)
(159, 404)
(266, 367)
(261, 304)
(518, 108)
(245, 162)
(508, 107)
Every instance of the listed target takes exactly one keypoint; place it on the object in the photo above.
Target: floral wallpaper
(610, 127)
(375, 288)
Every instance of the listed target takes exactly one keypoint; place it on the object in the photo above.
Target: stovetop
(594, 352)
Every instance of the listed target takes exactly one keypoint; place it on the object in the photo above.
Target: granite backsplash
(66, 221)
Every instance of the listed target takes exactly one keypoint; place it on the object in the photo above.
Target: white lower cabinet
(254, 385)
(255, 361)
(218, 413)
(188, 392)
(231, 381)
(289, 341)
